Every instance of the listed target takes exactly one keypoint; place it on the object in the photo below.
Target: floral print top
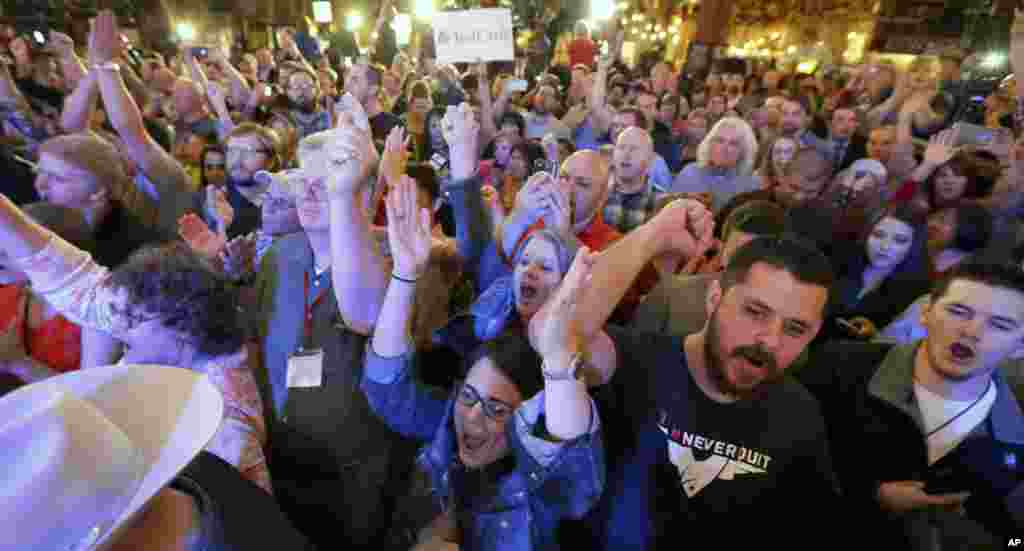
(74, 284)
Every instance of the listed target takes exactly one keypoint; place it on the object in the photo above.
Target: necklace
(961, 413)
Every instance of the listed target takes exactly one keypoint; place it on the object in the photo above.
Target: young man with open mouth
(926, 436)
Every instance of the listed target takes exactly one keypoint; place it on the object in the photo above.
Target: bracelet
(573, 373)
(403, 279)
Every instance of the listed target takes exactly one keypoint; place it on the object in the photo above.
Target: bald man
(631, 197)
(585, 175)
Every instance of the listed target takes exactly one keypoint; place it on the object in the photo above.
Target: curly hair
(171, 283)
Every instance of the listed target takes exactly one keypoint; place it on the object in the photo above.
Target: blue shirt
(722, 184)
(549, 481)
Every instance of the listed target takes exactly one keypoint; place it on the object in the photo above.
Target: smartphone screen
(268, 90)
(40, 38)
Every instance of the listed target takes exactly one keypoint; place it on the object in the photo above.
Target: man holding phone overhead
(927, 438)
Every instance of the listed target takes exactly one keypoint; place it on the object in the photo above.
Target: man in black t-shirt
(707, 432)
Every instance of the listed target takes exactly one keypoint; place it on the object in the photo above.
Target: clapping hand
(199, 237)
(220, 210)
(941, 147)
(239, 256)
(553, 330)
(396, 154)
(104, 40)
(409, 231)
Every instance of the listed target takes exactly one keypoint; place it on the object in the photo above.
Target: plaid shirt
(627, 211)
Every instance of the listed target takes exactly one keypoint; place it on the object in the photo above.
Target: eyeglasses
(494, 409)
(245, 151)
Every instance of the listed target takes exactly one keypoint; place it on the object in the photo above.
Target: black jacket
(874, 427)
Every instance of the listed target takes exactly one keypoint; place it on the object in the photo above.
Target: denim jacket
(549, 481)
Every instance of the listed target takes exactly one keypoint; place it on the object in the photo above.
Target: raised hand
(462, 132)
(62, 45)
(558, 211)
(409, 231)
(104, 40)
(344, 162)
(1002, 141)
(217, 95)
(219, 209)
(685, 227)
(199, 237)
(553, 331)
(239, 256)
(1017, 43)
(531, 197)
(396, 154)
(349, 112)
(941, 147)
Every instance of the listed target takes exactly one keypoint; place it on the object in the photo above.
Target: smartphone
(200, 52)
(973, 134)
(848, 326)
(438, 161)
(39, 37)
(517, 85)
(268, 90)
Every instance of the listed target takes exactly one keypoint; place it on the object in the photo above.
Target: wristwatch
(573, 373)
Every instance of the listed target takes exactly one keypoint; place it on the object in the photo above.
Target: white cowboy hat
(83, 452)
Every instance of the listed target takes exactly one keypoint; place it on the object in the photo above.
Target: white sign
(472, 35)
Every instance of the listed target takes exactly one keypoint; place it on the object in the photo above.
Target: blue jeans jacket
(550, 481)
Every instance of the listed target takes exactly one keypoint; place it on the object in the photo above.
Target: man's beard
(716, 364)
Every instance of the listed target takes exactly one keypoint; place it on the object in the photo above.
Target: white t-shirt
(937, 410)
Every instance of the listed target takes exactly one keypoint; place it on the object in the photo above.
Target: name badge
(306, 369)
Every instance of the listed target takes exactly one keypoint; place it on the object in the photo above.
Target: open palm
(408, 230)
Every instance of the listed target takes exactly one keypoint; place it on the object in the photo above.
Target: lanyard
(308, 308)
(961, 414)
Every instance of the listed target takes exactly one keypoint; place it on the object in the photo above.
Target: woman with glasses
(517, 446)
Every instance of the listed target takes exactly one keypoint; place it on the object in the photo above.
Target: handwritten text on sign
(471, 35)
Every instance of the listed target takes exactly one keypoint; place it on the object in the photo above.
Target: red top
(581, 52)
(57, 343)
(906, 192)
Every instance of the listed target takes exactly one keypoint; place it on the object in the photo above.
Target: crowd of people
(303, 301)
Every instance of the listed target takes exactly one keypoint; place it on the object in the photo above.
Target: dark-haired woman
(954, 234)
(167, 306)
(879, 278)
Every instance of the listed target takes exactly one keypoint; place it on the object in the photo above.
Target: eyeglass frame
(246, 151)
(486, 403)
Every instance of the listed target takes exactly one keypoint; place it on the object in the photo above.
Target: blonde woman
(725, 163)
